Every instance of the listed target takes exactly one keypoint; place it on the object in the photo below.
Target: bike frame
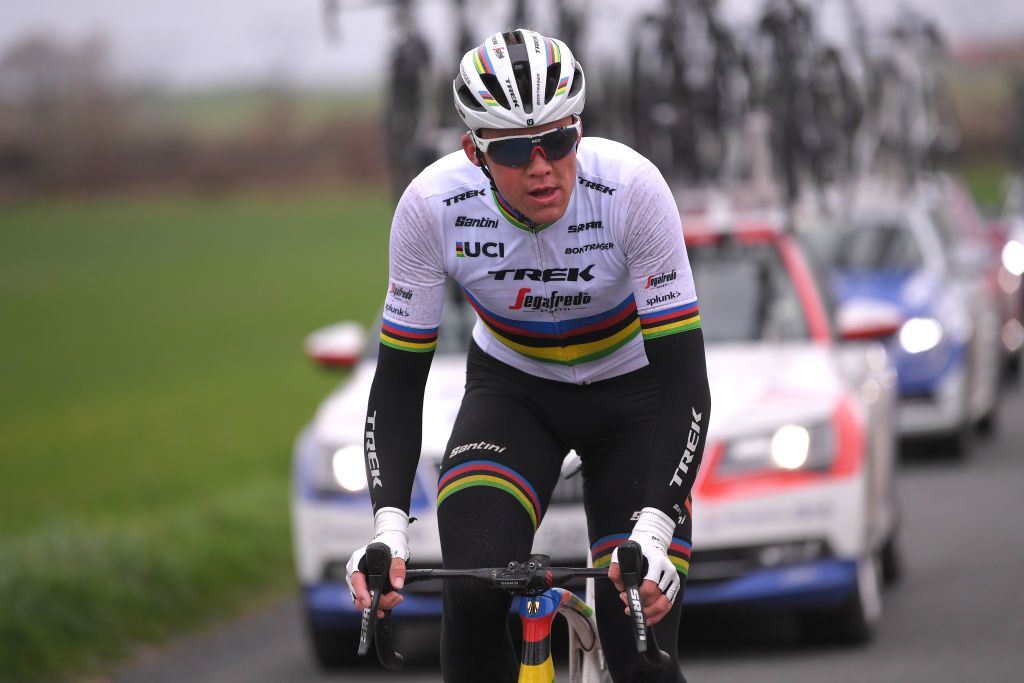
(537, 584)
(537, 613)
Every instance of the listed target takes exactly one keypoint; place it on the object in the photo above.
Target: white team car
(795, 505)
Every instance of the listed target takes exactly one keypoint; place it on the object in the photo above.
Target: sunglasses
(517, 150)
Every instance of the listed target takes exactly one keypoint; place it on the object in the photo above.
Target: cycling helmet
(518, 79)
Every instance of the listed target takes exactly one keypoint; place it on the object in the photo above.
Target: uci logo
(488, 249)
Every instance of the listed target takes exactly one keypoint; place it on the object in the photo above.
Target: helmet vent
(466, 97)
(494, 87)
(551, 81)
(522, 72)
(577, 81)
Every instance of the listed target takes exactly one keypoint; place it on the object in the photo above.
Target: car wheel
(855, 620)
(892, 559)
(958, 443)
(989, 421)
(336, 647)
(1013, 370)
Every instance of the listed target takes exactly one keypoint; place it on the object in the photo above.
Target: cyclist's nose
(539, 162)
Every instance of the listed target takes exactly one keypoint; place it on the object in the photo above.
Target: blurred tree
(59, 114)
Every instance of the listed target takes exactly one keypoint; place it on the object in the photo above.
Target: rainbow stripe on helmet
(483, 61)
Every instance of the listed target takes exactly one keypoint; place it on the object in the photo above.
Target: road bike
(688, 88)
(541, 598)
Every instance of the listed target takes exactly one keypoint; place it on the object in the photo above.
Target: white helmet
(518, 79)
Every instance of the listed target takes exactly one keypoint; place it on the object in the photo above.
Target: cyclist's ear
(469, 148)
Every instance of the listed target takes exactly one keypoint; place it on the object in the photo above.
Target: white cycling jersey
(569, 301)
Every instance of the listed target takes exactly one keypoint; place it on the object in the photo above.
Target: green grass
(986, 179)
(153, 380)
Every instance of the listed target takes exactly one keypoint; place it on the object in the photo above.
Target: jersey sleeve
(415, 295)
(659, 269)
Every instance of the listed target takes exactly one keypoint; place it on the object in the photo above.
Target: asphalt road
(958, 615)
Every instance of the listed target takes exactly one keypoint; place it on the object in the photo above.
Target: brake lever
(631, 560)
(378, 564)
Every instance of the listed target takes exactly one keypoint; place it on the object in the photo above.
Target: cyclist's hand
(361, 594)
(655, 603)
(391, 527)
(653, 533)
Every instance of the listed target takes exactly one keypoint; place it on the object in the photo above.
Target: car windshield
(877, 246)
(745, 293)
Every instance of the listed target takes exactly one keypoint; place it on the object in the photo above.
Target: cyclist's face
(542, 188)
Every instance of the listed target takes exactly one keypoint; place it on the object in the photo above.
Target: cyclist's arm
(412, 312)
(670, 323)
(393, 426)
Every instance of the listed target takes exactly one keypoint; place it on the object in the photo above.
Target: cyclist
(588, 338)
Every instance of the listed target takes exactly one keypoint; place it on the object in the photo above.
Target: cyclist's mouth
(544, 194)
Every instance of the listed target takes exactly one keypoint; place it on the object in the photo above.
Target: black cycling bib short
(501, 465)
(588, 338)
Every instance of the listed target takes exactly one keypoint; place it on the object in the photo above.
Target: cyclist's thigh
(496, 478)
(499, 469)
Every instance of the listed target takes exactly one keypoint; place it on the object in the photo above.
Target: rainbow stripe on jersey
(670, 320)
(407, 338)
(566, 342)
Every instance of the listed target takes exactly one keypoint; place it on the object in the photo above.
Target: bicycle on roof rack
(541, 598)
(688, 88)
(805, 87)
(415, 100)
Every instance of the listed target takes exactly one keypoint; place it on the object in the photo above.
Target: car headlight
(339, 470)
(1013, 257)
(920, 334)
(790, 447)
(347, 468)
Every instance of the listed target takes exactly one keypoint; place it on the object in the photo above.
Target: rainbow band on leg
(678, 553)
(408, 338)
(670, 320)
(493, 475)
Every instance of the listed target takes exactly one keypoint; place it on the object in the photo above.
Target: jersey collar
(517, 219)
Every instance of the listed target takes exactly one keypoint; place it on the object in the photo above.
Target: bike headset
(517, 79)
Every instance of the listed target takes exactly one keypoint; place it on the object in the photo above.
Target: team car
(947, 352)
(795, 507)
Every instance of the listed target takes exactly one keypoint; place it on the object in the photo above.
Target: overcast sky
(200, 42)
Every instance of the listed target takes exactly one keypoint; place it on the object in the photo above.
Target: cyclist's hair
(518, 79)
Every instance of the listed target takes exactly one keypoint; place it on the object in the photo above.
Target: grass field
(153, 379)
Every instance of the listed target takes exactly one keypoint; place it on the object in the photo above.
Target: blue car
(946, 350)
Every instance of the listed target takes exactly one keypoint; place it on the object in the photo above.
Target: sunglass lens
(515, 153)
(559, 143)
